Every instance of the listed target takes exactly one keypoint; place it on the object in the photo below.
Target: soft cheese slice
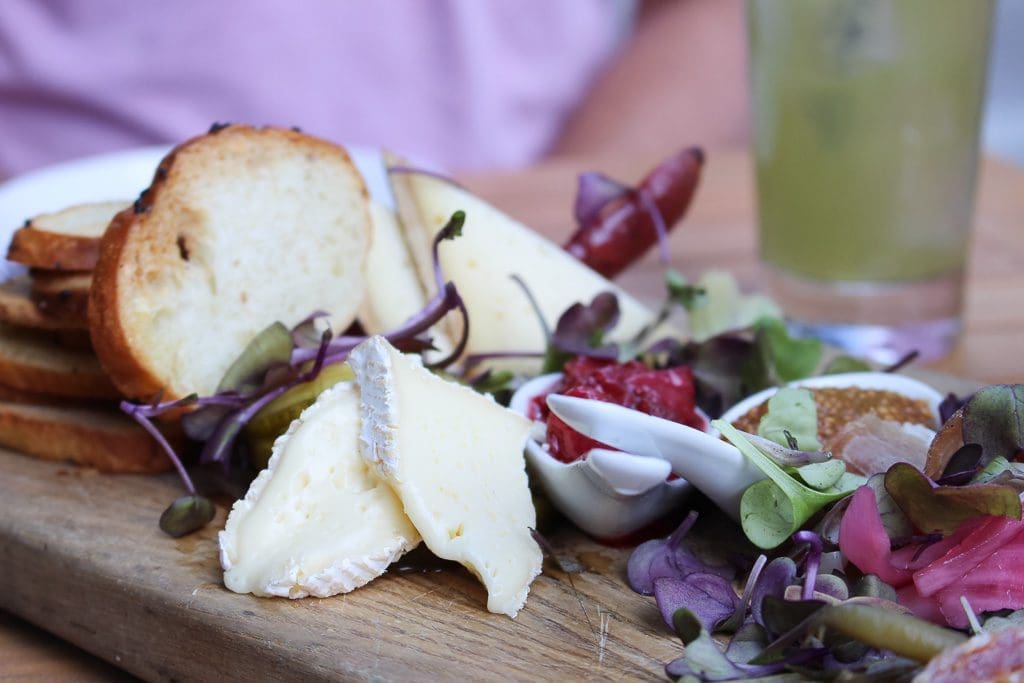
(481, 262)
(455, 458)
(393, 290)
(317, 521)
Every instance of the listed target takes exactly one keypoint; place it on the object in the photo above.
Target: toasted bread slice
(101, 438)
(32, 361)
(65, 240)
(240, 228)
(61, 294)
(18, 308)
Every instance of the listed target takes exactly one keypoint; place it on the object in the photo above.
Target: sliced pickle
(279, 413)
(260, 448)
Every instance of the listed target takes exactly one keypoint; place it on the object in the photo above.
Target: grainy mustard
(838, 406)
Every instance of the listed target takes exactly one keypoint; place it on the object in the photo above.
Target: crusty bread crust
(17, 307)
(103, 439)
(32, 361)
(62, 295)
(65, 240)
(173, 267)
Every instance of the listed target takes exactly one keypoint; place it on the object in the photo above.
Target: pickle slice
(275, 417)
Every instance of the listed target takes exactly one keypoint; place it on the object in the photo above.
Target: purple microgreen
(781, 617)
(139, 414)
(788, 457)
(305, 333)
(581, 329)
(593, 192)
(830, 585)
(902, 362)
(535, 305)
(942, 509)
(812, 560)
(451, 230)
(709, 596)
(734, 622)
(776, 576)
(647, 203)
(667, 558)
(187, 514)
(270, 348)
(949, 405)
(828, 526)
(746, 643)
(994, 419)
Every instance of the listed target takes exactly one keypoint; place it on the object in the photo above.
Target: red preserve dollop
(665, 393)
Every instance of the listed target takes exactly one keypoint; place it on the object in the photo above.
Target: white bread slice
(61, 294)
(32, 361)
(101, 438)
(317, 521)
(64, 240)
(240, 228)
(17, 307)
(494, 247)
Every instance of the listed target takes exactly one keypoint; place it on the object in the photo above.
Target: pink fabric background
(463, 83)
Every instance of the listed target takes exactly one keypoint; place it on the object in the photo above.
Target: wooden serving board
(81, 556)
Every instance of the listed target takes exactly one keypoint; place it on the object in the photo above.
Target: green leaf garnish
(822, 476)
(792, 411)
(722, 307)
(273, 346)
(942, 509)
(773, 509)
(788, 358)
(994, 419)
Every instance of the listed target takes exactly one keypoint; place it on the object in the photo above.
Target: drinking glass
(866, 115)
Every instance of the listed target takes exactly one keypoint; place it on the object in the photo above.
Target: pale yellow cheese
(481, 262)
(455, 459)
(318, 521)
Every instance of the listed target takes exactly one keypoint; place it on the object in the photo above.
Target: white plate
(115, 176)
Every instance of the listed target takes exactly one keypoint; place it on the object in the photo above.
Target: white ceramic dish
(609, 494)
(885, 381)
(116, 176)
(601, 499)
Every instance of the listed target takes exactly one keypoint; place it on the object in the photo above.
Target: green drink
(866, 119)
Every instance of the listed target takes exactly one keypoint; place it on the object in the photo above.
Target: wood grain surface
(80, 554)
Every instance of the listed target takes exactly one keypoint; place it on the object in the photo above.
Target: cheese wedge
(494, 247)
(317, 521)
(393, 292)
(455, 459)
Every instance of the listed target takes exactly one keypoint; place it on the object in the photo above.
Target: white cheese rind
(318, 521)
(455, 459)
(481, 262)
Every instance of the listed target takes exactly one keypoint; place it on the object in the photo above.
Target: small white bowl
(883, 381)
(608, 494)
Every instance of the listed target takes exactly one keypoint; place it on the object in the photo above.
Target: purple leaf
(668, 558)
(594, 191)
(780, 573)
(709, 596)
(581, 329)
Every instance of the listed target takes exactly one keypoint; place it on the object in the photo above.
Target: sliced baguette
(64, 240)
(101, 438)
(60, 294)
(17, 307)
(31, 360)
(240, 228)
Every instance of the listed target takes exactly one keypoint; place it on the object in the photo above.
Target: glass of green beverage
(866, 115)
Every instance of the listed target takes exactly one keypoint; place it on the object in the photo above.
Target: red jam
(665, 393)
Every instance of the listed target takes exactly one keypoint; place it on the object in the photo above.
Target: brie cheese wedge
(455, 459)
(318, 521)
(481, 262)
